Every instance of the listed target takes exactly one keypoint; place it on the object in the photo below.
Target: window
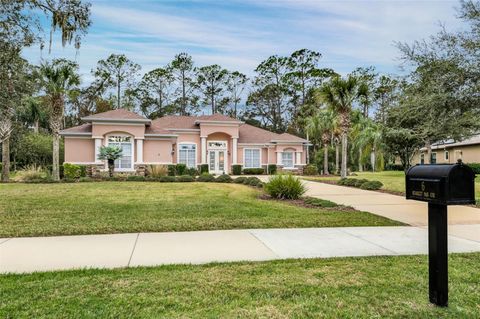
(433, 158)
(287, 159)
(187, 155)
(252, 158)
(446, 155)
(422, 158)
(125, 143)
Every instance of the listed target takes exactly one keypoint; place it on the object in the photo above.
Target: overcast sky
(240, 34)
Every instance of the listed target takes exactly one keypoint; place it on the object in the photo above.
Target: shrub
(181, 169)
(237, 169)
(285, 187)
(166, 179)
(240, 180)
(310, 170)
(359, 182)
(35, 149)
(135, 178)
(191, 171)
(272, 169)
(72, 171)
(253, 171)
(475, 167)
(372, 185)
(185, 179)
(31, 173)
(203, 168)
(157, 171)
(319, 202)
(85, 179)
(252, 181)
(394, 167)
(225, 178)
(171, 170)
(206, 178)
(347, 181)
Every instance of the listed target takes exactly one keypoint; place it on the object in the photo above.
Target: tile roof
(216, 117)
(174, 121)
(120, 114)
(472, 140)
(84, 128)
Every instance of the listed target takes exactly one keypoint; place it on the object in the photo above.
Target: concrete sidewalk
(19, 255)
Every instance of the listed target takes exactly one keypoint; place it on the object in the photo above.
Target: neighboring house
(216, 140)
(451, 151)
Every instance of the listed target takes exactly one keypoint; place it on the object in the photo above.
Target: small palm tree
(110, 154)
(58, 78)
(340, 94)
(321, 125)
(370, 141)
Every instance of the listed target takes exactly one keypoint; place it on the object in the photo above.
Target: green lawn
(122, 207)
(370, 287)
(392, 180)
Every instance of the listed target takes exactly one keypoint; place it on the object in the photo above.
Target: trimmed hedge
(72, 171)
(172, 170)
(181, 169)
(191, 171)
(135, 178)
(225, 178)
(319, 202)
(272, 169)
(166, 179)
(253, 171)
(206, 178)
(237, 169)
(372, 185)
(252, 181)
(394, 167)
(240, 180)
(203, 168)
(185, 179)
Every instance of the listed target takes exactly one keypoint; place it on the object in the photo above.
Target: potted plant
(110, 153)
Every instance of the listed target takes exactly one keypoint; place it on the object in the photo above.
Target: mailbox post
(440, 185)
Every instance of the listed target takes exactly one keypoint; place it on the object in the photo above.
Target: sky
(238, 35)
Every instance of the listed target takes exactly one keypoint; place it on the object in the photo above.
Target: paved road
(19, 255)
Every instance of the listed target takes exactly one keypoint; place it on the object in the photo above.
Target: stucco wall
(190, 138)
(468, 154)
(157, 151)
(206, 130)
(79, 150)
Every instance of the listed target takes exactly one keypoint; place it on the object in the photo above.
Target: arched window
(125, 163)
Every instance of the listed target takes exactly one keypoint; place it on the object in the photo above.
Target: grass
(367, 287)
(393, 181)
(125, 207)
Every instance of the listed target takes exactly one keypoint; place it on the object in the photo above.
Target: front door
(216, 164)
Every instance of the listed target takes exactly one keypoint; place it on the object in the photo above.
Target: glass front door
(216, 161)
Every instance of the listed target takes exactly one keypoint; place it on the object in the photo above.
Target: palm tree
(360, 122)
(110, 154)
(321, 126)
(370, 141)
(58, 79)
(339, 94)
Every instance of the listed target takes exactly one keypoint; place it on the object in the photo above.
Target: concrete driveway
(391, 206)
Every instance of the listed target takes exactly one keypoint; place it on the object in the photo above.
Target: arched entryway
(218, 151)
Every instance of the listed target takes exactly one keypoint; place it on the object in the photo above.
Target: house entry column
(299, 158)
(279, 158)
(203, 149)
(98, 144)
(139, 151)
(234, 150)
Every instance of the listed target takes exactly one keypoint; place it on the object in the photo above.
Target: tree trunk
(343, 169)
(56, 156)
(428, 158)
(325, 159)
(184, 96)
(118, 94)
(6, 159)
(337, 158)
(360, 166)
(111, 167)
(373, 160)
(36, 126)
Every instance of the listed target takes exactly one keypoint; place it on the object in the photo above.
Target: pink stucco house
(216, 140)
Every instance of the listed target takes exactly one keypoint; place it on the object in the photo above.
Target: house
(216, 140)
(450, 151)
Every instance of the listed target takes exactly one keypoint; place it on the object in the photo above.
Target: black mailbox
(444, 184)
(440, 185)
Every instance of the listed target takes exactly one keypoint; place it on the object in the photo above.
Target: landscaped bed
(123, 207)
(370, 287)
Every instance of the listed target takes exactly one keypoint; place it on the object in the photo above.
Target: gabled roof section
(286, 137)
(119, 115)
(84, 129)
(472, 140)
(216, 118)
(252, 134)
(174, 122)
